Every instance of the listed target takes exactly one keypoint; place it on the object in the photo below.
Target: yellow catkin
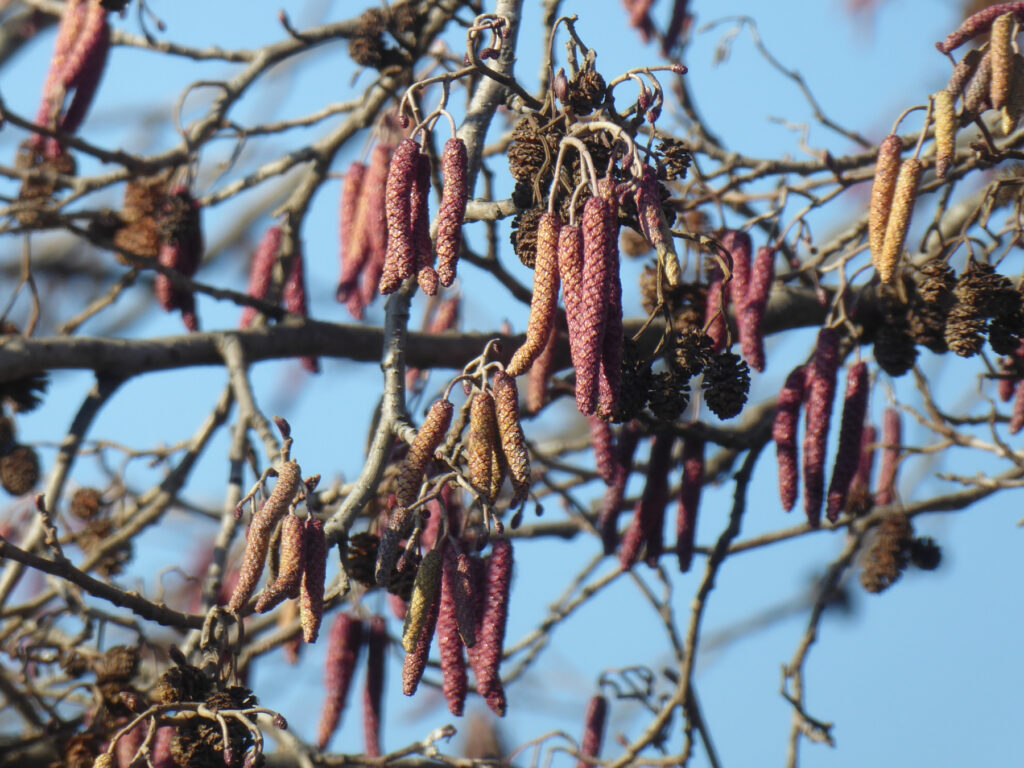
(1014, 108)
(1000, 51)
(513, 442)
(425, 591)
(944, 112)
(483, 439)
(544, 304)
(887, 168)
(435, 426)
(899, 218)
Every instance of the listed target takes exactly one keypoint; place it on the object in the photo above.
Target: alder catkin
(944, 113)
(903, 200)
(419, 206)
(483, 439)
(611, 505)
(544, 304)
(593, 730)
(859, 499)
(784, 433)
(540, 373)
(371, 224)
(821, 390)
(454, 172)
(373, 692)
(289, 476)
(490, 641)
(296, 302)
(751, 319)
(426, 591)
(465, 599)
(353, 251)
(84, 67)
(689, 500)
(510, 431)
(850, 431)
(740, 248)
(261, 272)
(1017, 417)
(346, 636)
(595, 290)
(314, 575)
(292, 563)
(892, 438)
(1000, 51)
(978, 24)
(609, 375)
(449, 641)
(649, 518)
(887, 170)
(648, 206)
(604, 448)
(416, 661)
(976, 96)
(715, 310)
(1014, 108)
(410, 476)
(400, 257)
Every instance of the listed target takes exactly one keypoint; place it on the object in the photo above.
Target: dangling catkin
(751, 319)
(1000, 51)
(715, 310)
(892, 437)
(295, 301)
(429, 437)
(425, 594)
(903, 200)
(689, 500)
(944, 112)
(314, 575)
(352, 253)
(852, 428)
(371, 228)
(454, 171)
(887, 169)
(540, 373)
(491, 631)
(544, 303)
(400, 257)
(649, 518)
(739, 246)
(453, 661)
(821, 390)
(604, 448)
(595, 290)
(611, 505)
(419, 207)
(483, 438)
(289, 576)
(784, 433)
(1015, 101)
(261, 272)
(593, 730)
(510, 430)
(416, 660)
(342, 652)
(978, 24)
(373, 693)
(609, 375)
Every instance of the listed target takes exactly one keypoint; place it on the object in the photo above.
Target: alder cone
(850, 433)
(19, 470)
(544, 304)
(454, 170)
(346, 637)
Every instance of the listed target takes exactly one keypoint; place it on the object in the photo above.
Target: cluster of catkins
(299, 553)
(385, 222)
(261, 275)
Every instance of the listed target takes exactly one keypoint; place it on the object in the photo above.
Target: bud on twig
(342, 652)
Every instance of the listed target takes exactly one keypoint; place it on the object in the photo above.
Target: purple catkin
(466, 599)
(689, 500)
(544, 303)
(978, 24)
(784, 432)
(595, 294)
(289, 572)
(400, 257)
(453, 661)
(342, 651)
(892, 438)
(295, 301)
(739, 246)
(540, 373)
(261, 272)
(604, 448)
(352, 253)
(419, 205)
(1017, 418)
(861, 483)
(421, 451)
(161, 755)
(85, 65)
(128, 745)
(750, 320)
(609, 377)
(848, 455)
(314, 575)
(416, 661)
(648, 206)
(611, 505)
(454, 172)
(570, 268)
(71, 23)
(715, 310)
(491, 631)
(820, 392)
(680, 18)
(593, 730)
(649, 518)
(373, 693)
(371, 223)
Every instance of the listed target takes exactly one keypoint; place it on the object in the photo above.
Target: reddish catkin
(887, 169)
(860, 486)
(289, 476)
(483, 438)
(649, 518)
(855, 407)
(426, 592)
(314, 575)
(85, 64)
(371, 223)
(892, 438)
(342, 651)
(435, 427)
(784, 433)
(593, 730)
(821, 391)
(715, 310)
(296, 300)
(689, 500)
(416, 661)
(570, 268)
(604, 448)
(611, 505)
(751, 319)
(648, 206)
(455, 174)
(373, 692)
(289, 572)
(595, 290)
(540, 373)
(903, 200)
(491, 632)
(1017, 417)
(510, 431)
(544, 304)
(261, 272)
(466, 599)
(979, 24)
(453, 661)
(353, 251)
(419, 202)
(609, 377)
(400, 258)
(71, 23)
(740, 248)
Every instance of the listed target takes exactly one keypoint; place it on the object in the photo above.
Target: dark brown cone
(888, 558)
(894, 348)
(524, 235)
(342, 651)
(648, 521)
(726, 384)
(19, 470)
(86, 503)
(850, 432)
(689, 500)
